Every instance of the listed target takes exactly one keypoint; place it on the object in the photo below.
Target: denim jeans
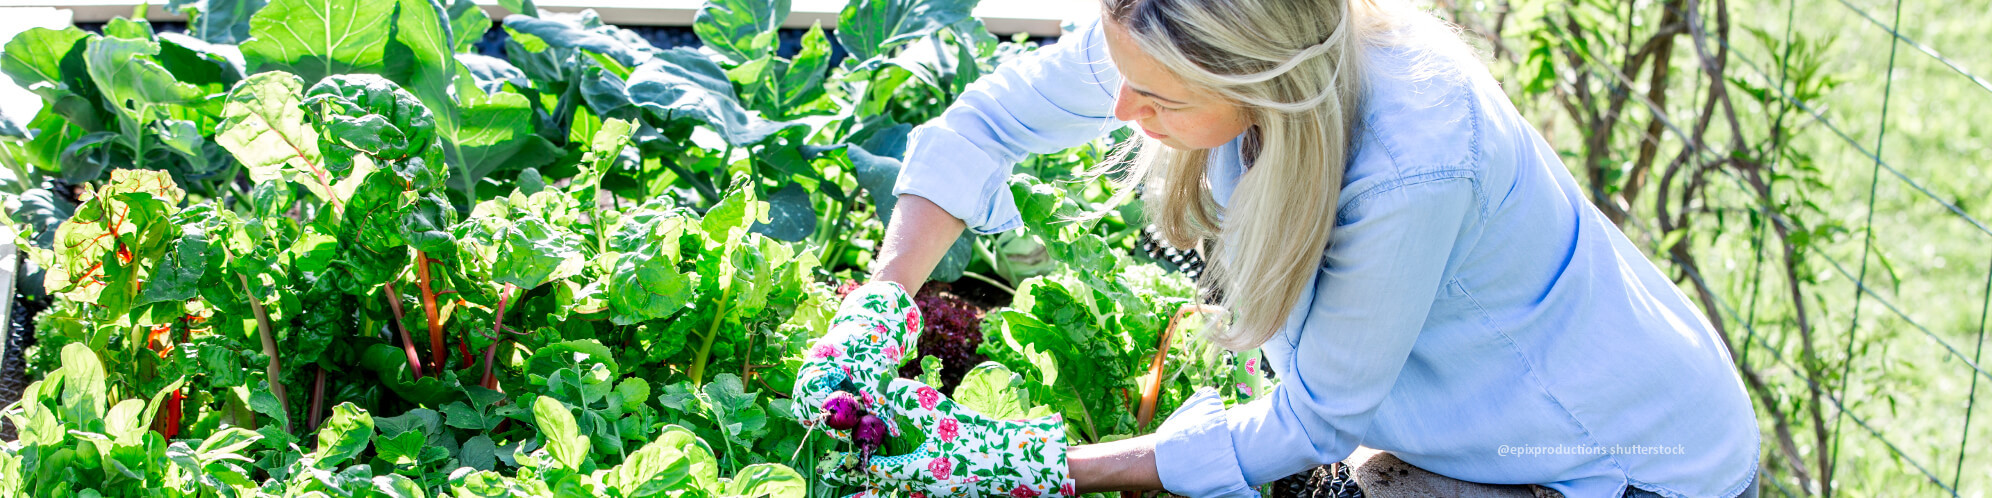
(1631, 492)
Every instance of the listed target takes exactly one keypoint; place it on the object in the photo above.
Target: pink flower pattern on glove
(965, 453)
(928, 397)
(941, 467)
(947, 429)
(825, 351)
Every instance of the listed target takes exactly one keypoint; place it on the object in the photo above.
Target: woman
(1422, 272)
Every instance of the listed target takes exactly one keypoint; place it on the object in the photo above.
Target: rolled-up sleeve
(1051, 99)
(1349, 339)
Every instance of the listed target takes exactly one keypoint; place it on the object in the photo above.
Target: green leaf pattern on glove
(874, 328)
(968, 454)
(965, 453)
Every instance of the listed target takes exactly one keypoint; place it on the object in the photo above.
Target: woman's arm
(1124, 465)
(916, 239)
(1051, 99)
(1362, 317)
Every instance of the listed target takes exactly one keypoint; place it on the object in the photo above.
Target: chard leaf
(227, 443)
(177, 276)
(263, 125)
(533, 253)
(425, 225)
(647, 285)
(83, 391)
(366, 115)
(727, 221)
(116, 230)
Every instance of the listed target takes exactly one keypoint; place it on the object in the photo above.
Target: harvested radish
(842, 411)
(870, 434)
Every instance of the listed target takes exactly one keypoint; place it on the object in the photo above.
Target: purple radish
(870, 434)
(842, 411)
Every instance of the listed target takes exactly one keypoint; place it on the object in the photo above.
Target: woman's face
(1163, 106)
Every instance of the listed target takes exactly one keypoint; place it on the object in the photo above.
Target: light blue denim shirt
(1473, 314)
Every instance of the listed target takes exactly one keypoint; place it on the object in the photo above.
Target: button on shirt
(1473, 313)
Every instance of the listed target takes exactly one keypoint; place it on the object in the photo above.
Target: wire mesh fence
(1807, 293)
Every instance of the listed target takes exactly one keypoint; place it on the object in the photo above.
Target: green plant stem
(704, 189)
(469, 189)
(275, 369)
(497, 328)
(991, 281)
(23, 178)
(828, 230)
(407, 342)
(725, 179)
(705, 345)
(137, 134)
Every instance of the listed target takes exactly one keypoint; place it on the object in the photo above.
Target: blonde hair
(1295, 67)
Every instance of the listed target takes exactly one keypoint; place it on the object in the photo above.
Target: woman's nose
(1128, 105)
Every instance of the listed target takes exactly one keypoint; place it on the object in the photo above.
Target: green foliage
(376, 265)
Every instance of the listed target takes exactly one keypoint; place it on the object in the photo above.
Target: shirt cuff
(1195, 456)
(954, 174)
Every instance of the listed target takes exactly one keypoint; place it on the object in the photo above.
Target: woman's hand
(965, 453)
(846, 370)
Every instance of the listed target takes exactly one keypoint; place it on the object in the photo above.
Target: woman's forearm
(915, 241)
(1125, 465)
(919, 235)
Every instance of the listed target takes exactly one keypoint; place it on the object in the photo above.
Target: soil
(14, 367)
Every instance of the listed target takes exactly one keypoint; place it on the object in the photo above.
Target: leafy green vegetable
(589, 269)
(740, 30)
(873, 27)
(314, 39)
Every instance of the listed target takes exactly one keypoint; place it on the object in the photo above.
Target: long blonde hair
(1295, 66)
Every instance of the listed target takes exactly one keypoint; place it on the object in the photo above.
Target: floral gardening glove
(874, 328)
(965, 453)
